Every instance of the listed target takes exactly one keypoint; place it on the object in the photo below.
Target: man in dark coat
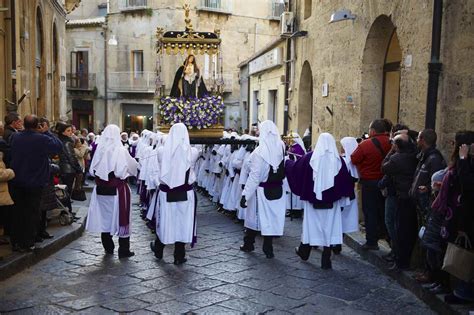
(400, 165)
(30, 151)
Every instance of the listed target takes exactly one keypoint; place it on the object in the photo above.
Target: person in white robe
(109, 210)
(176, 213)
(296, 151)
(265, 180)
(350, 213)
(322, 181)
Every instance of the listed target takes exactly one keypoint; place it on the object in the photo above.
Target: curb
(435, 302)
(20, 261)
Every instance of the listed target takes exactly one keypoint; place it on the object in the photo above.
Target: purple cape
(296, 149)
(300, 178)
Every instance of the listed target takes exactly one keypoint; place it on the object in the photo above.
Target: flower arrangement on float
(199, 113)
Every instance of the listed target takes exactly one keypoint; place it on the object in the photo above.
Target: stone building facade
(245, 26)
(32, 57)
(374, 63)
(265, 83)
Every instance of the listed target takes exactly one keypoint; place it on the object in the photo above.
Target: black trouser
(179, 249)
(249, 240)
(406, 230)
(373, 206)
(304, 250)
(68, 180)
(26, 215)
(42, 223)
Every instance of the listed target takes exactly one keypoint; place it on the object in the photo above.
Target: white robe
(249, 214)
(350, 217)
(322, 227)
(271, 213)
(293, 202)
(175, 221)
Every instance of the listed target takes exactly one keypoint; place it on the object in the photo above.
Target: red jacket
(368, 158)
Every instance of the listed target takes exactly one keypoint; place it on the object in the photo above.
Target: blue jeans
(390, 215)
(373, 207)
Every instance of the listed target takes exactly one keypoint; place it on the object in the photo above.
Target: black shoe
(109, 251)
(269, 255)
(397, 268)
(297, 251)
(246, 248)
(27, 249)
(326, 259)
(38, 239)
(45, 235)
(336, 249)
(125, 254)
(158, 253)
(180, 261)
(369, 247)
(452, 299)
(390, 257)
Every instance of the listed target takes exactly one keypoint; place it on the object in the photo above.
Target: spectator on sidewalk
(6, 174)
(400, 165)
(68, 162)
(30, 152)
(368, 159)
(13, 124)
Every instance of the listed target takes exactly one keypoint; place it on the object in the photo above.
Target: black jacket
(429, 163)
(465, 214)
(400, 166)
(8, 133)
(67, 157)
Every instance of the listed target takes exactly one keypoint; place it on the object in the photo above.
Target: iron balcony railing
(129, 5)
(77, 81)
(132, 82)
(222, 6)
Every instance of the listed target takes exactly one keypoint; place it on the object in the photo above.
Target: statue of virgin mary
(188, 81)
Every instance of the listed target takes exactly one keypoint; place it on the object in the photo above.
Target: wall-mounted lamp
(341, 15)
(113, 41)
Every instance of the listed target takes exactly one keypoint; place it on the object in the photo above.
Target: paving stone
(216, 309)
(246, 306)
(341, 292)
(205, 298)
(232, 277)
(294, 293)
(14, 305)
(171, 307)
(130, 290)
(80, 304)
(96, 310)
(126, 305)
(236, 290)
(205, 284)
(323, 302)
(148, 274)
(274, 300)
(155, 297)
(229, 267)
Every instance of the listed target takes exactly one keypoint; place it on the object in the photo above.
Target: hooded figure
(133, 142)
(124, 138)
(324, 185)
(109, 209)
(176, 209)
(350, 213)
(265, 179)
(293, 202)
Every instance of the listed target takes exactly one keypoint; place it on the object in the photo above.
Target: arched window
(38, 52)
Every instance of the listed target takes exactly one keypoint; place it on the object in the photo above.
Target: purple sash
(124, 202)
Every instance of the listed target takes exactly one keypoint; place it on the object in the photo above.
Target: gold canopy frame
(187, 41)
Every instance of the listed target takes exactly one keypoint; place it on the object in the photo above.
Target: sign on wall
(270, 59)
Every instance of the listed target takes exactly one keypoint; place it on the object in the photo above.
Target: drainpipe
(288, 65)
(106, 75)
(434, 66)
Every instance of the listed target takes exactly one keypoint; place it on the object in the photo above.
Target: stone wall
(349, 56)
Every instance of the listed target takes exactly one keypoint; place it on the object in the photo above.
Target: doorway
(83, 114)
(79, 70)
(305, 99)
(137, 117)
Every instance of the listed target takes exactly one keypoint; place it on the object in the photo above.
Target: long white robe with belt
(175, 221)
(271, 213)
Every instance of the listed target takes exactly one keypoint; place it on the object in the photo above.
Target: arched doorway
(40, 74)
(305, 99)
(380, 84)
(56, 78)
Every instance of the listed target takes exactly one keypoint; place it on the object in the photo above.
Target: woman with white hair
(176, 209)
(324, 184)
(109, 209)
(265, 179)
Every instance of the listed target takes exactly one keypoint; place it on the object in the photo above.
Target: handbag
(458, 260)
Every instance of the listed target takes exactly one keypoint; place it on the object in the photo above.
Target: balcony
(132, 82)
(219, 6)
(133, 5)
(78, 82)
(277, 7)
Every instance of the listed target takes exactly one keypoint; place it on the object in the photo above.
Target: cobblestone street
(218, 278)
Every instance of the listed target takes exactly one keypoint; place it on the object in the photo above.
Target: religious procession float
(189, 101)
